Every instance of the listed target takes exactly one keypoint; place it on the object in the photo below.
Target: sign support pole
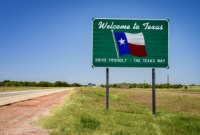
(107, 89)
(153, 91)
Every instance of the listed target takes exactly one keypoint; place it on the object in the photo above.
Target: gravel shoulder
(16, 118)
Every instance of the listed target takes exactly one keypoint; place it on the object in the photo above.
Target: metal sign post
(153, 91)
(107, 88)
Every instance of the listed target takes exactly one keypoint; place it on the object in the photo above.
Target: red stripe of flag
(137, 50)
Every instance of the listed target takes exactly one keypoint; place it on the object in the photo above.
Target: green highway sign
(130, 43)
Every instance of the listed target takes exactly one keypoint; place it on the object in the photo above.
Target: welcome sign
(130, 43)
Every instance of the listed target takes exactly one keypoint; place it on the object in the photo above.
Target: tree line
(144, 85)
(38, 84)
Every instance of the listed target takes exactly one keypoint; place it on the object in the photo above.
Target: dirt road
(15, 119)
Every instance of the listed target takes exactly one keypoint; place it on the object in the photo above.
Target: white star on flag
(121, 41)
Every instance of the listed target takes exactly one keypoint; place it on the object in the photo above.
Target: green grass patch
(89, 122)
(83, 113)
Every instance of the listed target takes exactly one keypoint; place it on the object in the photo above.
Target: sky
(50, 40)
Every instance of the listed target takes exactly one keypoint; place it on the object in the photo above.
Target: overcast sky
(50, 40)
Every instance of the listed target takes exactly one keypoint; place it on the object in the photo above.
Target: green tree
(44, 84)
(76, 85)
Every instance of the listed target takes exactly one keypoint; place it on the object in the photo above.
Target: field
(178, 113)
(9, 89)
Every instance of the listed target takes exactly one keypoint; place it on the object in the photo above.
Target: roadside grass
(130, 114)
(10, 88)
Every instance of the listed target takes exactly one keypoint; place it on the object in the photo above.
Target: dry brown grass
(170, 101)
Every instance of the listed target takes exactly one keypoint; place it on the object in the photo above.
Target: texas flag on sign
(128, 43)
